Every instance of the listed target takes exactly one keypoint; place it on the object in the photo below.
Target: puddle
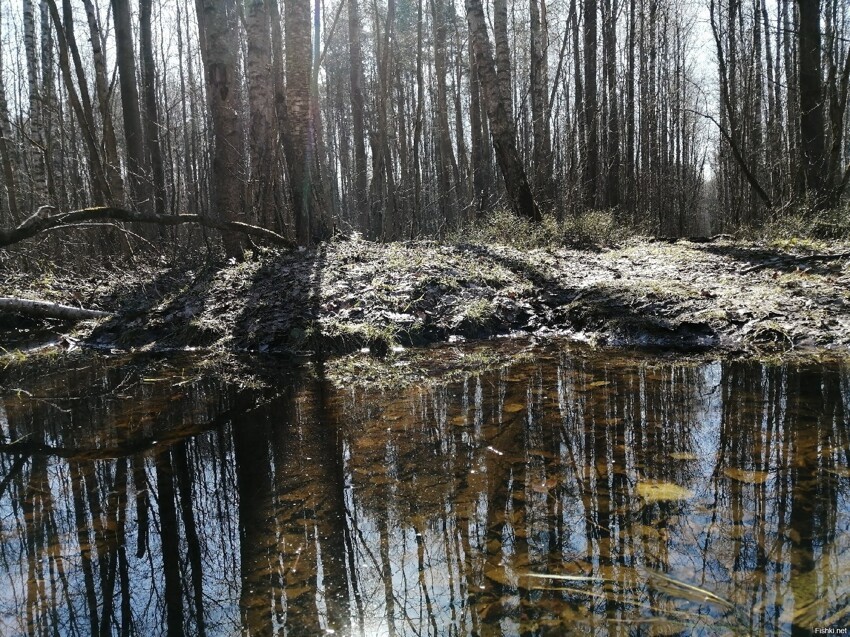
(575, 492)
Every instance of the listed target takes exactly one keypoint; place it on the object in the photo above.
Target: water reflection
(594, 493)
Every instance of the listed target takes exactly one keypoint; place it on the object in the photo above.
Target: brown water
(594, 493)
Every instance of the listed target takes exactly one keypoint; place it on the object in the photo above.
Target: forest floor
(356, 297)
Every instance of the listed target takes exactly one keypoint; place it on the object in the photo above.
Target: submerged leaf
(684, 456)
(513, 408)
(656, 491)
(749, 477)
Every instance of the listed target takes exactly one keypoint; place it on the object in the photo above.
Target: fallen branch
(46, 309)
(792, 260)
(35, 226)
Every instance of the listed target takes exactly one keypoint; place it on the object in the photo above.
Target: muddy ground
(350, 295)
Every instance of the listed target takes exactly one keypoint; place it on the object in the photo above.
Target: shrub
(802, 223)
(592, 228)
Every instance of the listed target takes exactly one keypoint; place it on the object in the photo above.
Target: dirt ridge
(354, 294)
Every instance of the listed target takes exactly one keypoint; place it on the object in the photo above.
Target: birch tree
(501, 125)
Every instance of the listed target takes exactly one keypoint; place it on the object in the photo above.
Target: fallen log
(36, 225)
(46, 309)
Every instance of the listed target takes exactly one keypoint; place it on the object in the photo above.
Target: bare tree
(103, 91)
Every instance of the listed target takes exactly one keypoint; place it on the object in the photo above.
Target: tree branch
(739, 158)
(36, 226)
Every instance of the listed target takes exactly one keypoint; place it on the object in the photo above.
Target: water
(578, 492)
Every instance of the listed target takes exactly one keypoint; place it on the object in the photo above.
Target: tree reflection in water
(602, 493)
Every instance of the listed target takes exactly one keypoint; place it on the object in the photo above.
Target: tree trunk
(49, 105)
(503, 56)
(652, 165)
(263, 130)
(756, 124)
(542, 157)
(151, 111)
(320, 221)
(358, 117)
(417, 221)
(581, 113)
(792, 101)
(813, 155)
(385, 183)
(774, 148)
(38, 175)
(838, 83)
(68, 44)
(217, 22)
(282, 189)
(5, 149)
(133, 136)
(630, 113)
(445, 156)
(501, 126)
(300, 144)
(480, 160)
(461, 166)
(591, 108)
(614, 157)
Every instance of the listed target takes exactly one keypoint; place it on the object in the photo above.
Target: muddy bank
(345, 296)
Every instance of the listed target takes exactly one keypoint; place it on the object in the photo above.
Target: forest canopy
(407, 118)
